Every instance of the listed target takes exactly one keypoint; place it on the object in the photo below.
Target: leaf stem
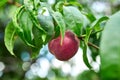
(82, 37)
(93, 45)
(89, 43)
(97, 31)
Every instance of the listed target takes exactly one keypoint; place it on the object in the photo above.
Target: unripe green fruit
(65, 50)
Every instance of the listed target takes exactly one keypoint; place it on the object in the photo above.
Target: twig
(14, 3)
(89, 43)
(93, 45)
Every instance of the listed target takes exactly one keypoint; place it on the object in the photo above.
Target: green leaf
(98, 21)
(2, 2)
(88, 33)
(73, 19)
(59, 5)
(88, 75)
(38, 42)
(18, 11)
(10, 37)
(46, 23)
(60, 21)
(29, 4)
(110, 49)
(24, 26)
(15, 23)
(85, 59)
(94, 26)
(90, 16)
(35, 21)
(76, 4)
(40, 39)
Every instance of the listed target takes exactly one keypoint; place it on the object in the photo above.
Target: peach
(65, 50)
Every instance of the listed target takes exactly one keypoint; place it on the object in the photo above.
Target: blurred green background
(46, 67)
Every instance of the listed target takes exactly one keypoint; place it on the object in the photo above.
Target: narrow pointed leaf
(60, 21)
(22, 26)
(85, 58)
(10, 37)
(26, 25)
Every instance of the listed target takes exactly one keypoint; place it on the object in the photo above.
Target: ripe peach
(67, 49)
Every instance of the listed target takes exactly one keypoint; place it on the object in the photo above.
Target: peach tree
(67, 26)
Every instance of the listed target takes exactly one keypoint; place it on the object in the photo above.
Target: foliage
(34, 23)
(110, 52)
